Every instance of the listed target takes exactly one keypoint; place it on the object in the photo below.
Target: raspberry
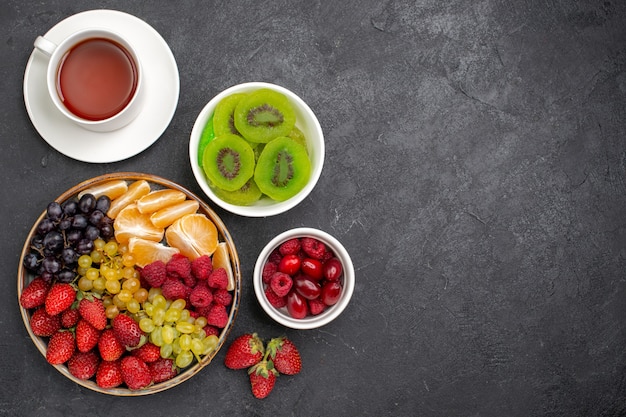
(154, 274)
(218, 279)
(275, 257)
(209, 330)
(281, 284)
(223, 297)
(179, 266)
(268, 270)
(173, 289)
(313, 247)
(316, 306)
(202, 267)
(218, 316)
(200, 296)
(290, 247)
(274, 300)
(203, 311)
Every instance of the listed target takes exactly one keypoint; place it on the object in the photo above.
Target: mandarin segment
(112, 189)
(168, 215)
(159, 199)
(221, 259)
(135, 191)
(194, 235)
(145, 252)
(132, 223)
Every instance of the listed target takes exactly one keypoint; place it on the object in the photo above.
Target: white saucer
(162, 90)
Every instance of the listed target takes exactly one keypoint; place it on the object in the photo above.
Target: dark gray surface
(475, 170)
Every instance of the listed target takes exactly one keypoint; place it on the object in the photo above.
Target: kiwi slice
(246, 195)
(207, 135)
(228, 162)
(283, 169)
(223, 120)
(264, 115)
(297, 135)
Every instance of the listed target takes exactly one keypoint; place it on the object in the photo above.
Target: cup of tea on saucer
(94, 78)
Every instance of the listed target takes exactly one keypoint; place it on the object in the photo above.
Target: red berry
(290, 264)
(94, 312)
(223, 297)
(312, 268)
(316, 306)
(127, 330)
(218, 278)
(201, 295)
(147, 352)
(307, 287)
(281, 283)
(313, 247)
(285, 356)
(109, 374)
(179, 266)
(290, 247)
(60, 297)
(173, 289)
(218, 316)
(162, 370)
(274, 300)
(245, 351)
(202, 267)
(296, 305)
(262, 379)
(109, 346)
(86, 336)
(154, 274)
(331, 293)
(43, 324)
(69, 318)
(332, 269)
(83, 365)
(34, 295)
(268, 270)
(135, 372)
(61, 347)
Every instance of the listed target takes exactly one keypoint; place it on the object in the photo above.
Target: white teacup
(94, 78)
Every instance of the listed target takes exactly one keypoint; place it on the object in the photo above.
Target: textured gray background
(475, 170)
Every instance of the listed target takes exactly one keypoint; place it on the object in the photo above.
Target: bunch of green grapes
(172, 327)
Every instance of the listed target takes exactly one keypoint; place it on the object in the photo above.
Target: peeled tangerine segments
(146, 251)
(221, 259)
(170, 214)
(112, 189)
(283, 169)
(264, 115)
(223, 117)
(159, 199)
(193, 235)
(131, 223)
(228, 162)
(135, 191)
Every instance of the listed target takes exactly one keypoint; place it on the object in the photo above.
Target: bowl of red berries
(304, 278)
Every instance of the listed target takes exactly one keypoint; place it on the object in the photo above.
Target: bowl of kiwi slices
(257, 149)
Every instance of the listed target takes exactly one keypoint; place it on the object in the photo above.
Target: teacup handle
(44, 45)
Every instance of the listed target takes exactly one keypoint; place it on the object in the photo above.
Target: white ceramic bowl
(305, 121)
(310, 321)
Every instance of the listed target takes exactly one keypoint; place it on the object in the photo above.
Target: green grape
(185, 316)
(96, 257)
(158, 316)
(178, 304)
(99, 284)
(172, 314)
(133, 306)
(200, 322)
(156, 336)
(153, 292)
(166, 350)
(197, 347)
(84, 261)
(92, 274)
(185, 327)
(111, 248)
(198, 333)
(84, 284)
(176, 349)
(99, 244)
(168, 333)
(184, 358)
(113, 286)
(147, 325)
(159, 301)
(184, 341)
(125, 295)
(148, 307)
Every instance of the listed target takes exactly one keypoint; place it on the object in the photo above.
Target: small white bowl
(305, 121)
(309, 322)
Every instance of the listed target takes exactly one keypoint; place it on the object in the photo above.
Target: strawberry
(92, 310)
(34, 295)
(86, 336)
(43, 324)
(69, 318)
(109, 374)
(135, 372)
(285, 356)
(262, 379)
(127, 330)
(244, 351)
(147, 352)
(60, 297)
(162, 369)
(83, 365)
(61, 347)
(109, 346)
